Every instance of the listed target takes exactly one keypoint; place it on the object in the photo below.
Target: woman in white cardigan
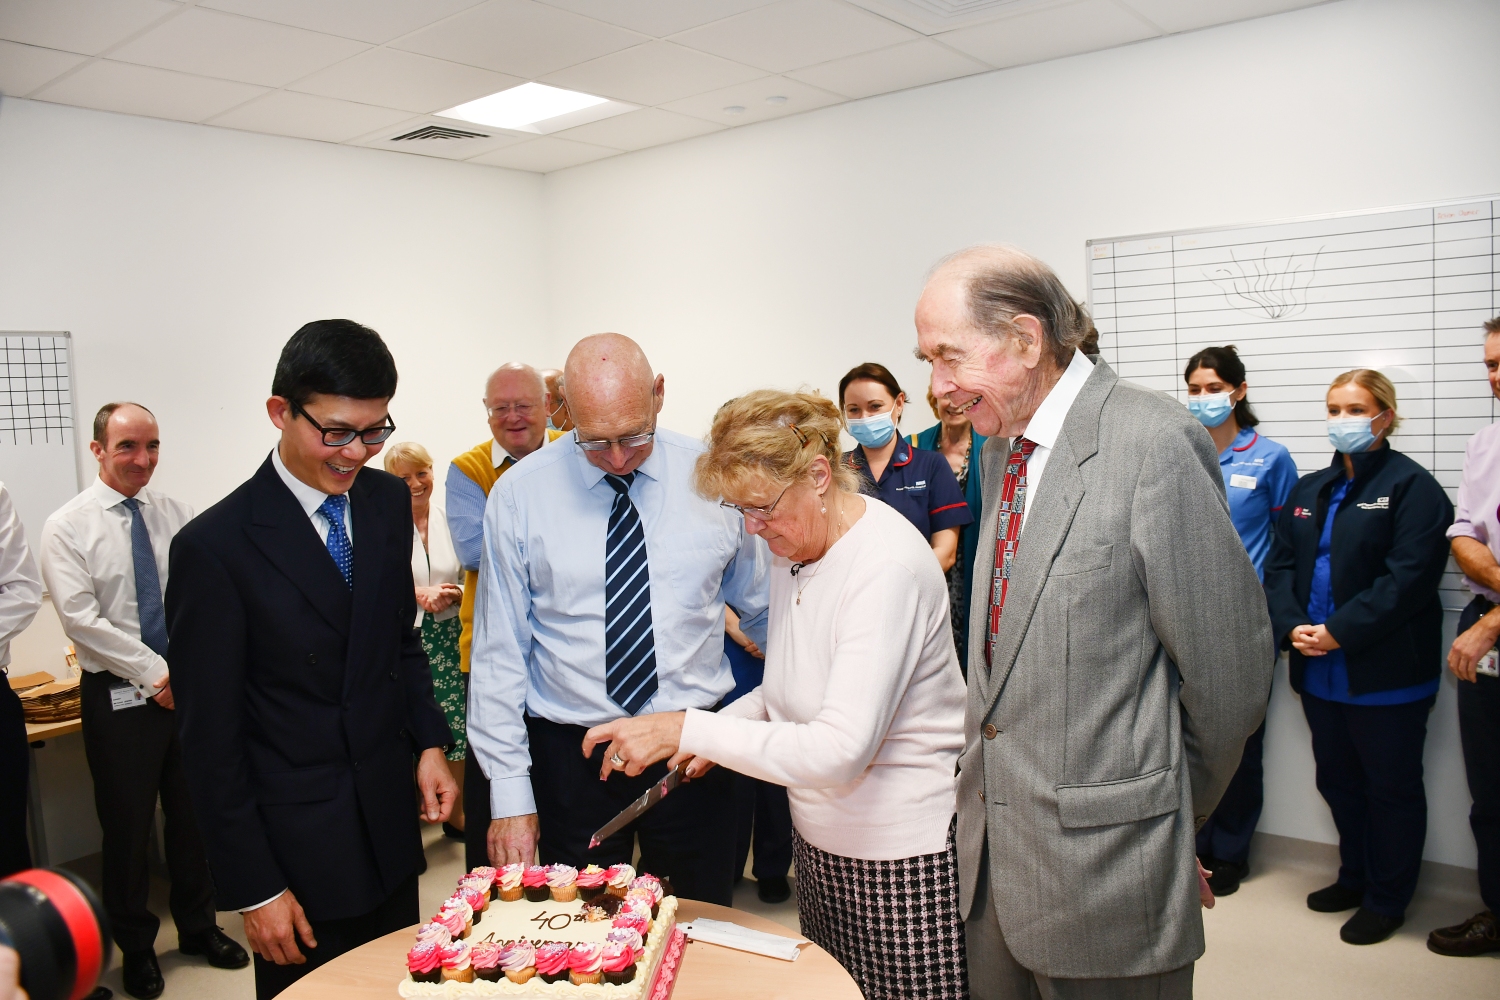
(861, 711)
(439, 581)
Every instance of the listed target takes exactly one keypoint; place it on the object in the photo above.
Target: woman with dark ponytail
(1258, 476)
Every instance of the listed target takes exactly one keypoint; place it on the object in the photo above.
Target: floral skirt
(449, 683)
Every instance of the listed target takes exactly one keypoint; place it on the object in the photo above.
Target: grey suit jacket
(1134, 658)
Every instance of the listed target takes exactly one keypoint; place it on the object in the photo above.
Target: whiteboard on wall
(1404, 291)
(38, 426)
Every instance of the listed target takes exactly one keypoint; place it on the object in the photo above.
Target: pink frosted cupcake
(477, 898)
(638, 922)
(451, 921)
(457, 963)
(488, 874)
(534, 884)
(586, 963)
(434, 933)
(592, 882)
(508, 882)
(518, 960)
(455, 904)
(619, 879)
(485, 957)
(651, 884)
(642, 898)
(425, 962)
(552, 961)
(618, 963)
(562, 881)
(627, 936)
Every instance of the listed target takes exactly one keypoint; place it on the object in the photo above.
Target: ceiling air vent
(438, 132)
(932, 16)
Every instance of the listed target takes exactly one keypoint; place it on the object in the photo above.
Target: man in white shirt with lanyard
(104, 557)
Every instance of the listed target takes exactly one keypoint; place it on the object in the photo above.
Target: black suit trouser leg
(687, 838)
(335, 937)
(1226, 835)
(476, 813)
(134, 757)
(762, 816)
(15, 772)
(1479, 729)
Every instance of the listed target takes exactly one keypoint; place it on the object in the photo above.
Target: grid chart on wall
(36, 390)
(1404, 291)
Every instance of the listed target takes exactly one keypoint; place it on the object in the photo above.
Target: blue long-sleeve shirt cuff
(465, 508)
(511, 797)
(756, 626)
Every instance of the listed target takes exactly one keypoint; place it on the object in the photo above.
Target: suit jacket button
(312, 658)
(356, 765)
(393, 676)
(981, 796)
(990, 731)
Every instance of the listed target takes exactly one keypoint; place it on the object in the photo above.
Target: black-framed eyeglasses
(759, 513)
(338, 437)
(634, 441)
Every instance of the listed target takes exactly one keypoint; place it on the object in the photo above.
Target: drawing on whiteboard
(1267, 287)
(36, 404)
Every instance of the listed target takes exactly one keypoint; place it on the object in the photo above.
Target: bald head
(514, 377)
(557, 415)
(611, 395)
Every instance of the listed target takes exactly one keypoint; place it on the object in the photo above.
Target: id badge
(125, 695)
(1489, 664)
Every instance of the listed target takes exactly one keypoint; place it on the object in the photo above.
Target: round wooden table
(708, 972)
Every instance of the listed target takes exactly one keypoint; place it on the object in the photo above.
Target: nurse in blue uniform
(1258, 476)
(920, 484)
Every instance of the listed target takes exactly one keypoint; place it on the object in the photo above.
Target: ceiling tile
(446, 148)
(757, 101)
(658, 18)
(520, 37)
(639, 129)
(1184, 15)
(87, 26)
(791, 34)
(933, 16)
(209, 43)
(145, 90)
(23, 68)
(1048, 34)
(376, 21)
(395, 79)
(282, 112)
(653, 73)
(910, 65)
(544, 155)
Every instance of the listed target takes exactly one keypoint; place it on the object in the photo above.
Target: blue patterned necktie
(147, 583)
(333, 508)
(629, 647)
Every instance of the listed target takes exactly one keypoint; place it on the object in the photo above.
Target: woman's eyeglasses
(338, 437)
(759, 513)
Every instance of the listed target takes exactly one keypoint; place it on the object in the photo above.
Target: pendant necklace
(797, 567)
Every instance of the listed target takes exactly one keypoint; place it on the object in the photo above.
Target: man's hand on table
(435, 782)
(273, 929)
(512, 840)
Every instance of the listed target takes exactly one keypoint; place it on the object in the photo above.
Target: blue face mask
(1351, 435)
(872, 432)
(1211, 411)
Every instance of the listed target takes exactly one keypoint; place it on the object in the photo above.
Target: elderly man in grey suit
(1121, 641)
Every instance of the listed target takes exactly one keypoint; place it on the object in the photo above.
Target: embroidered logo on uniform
(1301, 512)
(1381, 503)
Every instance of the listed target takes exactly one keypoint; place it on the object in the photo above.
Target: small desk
(39, 733)
(708, 972)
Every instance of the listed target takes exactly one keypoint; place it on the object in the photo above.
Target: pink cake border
(666, 969)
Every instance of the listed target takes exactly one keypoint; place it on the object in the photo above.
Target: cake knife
(630, 813)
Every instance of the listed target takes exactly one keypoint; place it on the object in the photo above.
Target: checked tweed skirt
(893, 925)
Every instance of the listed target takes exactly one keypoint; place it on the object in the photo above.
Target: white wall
(786, 252)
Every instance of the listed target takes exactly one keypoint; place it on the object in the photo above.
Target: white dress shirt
(311, 498)
(20, 583)
(435, 563)
(1046, 424)
(89, 566)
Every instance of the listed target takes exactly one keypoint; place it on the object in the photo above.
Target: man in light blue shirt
(601, 593)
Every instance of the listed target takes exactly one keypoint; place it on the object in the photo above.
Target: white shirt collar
(309, 497)
(653, 468)
(498, 454)
(109, 497)
(1046, 424)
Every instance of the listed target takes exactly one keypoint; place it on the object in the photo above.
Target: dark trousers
(335, 937)
(15, 771)
(1479, 729)
(687, 838)
(134, 756)
(1369, 771)
(1226, 835)
(476, 814)
(763, 816)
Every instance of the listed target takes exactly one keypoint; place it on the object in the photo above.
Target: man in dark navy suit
(305, 704)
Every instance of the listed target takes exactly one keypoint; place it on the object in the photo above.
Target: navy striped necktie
(629, 647)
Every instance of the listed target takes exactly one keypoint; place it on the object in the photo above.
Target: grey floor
(1263, 942)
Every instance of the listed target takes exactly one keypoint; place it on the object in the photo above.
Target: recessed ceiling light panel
(537, 108)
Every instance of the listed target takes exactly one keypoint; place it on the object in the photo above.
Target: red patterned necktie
(1007, 533)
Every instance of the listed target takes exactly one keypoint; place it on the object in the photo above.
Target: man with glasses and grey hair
(602, 594)
(517, 404)
(1118, 643)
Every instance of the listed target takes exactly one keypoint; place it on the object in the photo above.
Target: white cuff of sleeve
(247, 909)
(512, 797)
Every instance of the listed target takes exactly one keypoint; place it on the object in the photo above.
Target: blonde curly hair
(770, 435)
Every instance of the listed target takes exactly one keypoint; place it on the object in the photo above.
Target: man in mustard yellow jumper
(517, 404)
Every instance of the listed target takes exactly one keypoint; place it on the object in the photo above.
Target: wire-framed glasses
(338, 437)
(634, 441)
(759, 513)
(503, 410)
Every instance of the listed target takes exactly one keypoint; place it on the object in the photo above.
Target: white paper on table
(731, 935)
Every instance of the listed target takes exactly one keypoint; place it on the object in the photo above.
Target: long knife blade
(630, 813)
